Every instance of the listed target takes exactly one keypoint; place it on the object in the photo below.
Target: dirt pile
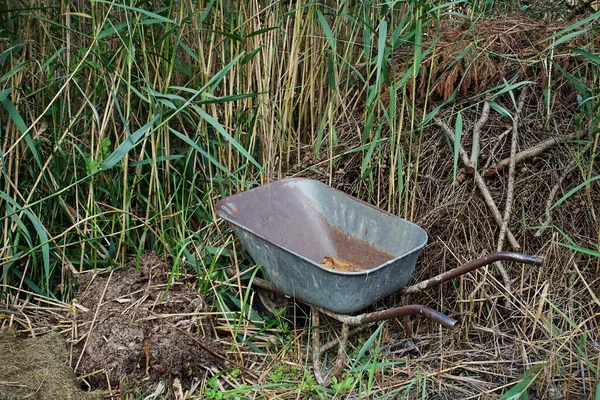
(142, 329)
(37, 368)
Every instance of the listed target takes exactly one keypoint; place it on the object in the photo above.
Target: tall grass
(123, 123)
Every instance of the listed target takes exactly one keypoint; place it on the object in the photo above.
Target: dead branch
(510, 191)
(531, 152)
(485, 113)
(487, 197)
(498, 143)
(548, 217)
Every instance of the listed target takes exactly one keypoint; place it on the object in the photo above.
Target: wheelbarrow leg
(406, 323)
(316, 345)
(408, 327)
(340, 359)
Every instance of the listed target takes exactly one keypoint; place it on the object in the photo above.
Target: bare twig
(487, 197)
(531, 152)
(499, 140)
(485, 113)
(510, 190)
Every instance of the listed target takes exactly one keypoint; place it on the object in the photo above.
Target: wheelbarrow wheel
(275, 305)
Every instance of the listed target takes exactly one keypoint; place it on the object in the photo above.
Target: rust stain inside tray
(353, 255)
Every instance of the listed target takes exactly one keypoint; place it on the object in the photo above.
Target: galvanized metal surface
(290, 226)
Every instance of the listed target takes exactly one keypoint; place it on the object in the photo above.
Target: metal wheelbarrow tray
(290, 226)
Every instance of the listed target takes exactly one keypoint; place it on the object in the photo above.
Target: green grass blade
(4, 94)
(261, 31)
(112, 29)
(500, 109)
(576, 82)
(520, 389)
(225, 99)
(575, 189)
(584, 250)
(127, 145)
(52, 58)
(200, 150)
(380, 61)
(156, 160)
(14, 70)
(593, 17)
(41, 231)
(431, 115)
(320, 135)
(565, 316)
(14, 215)
(331, 71)
(22, 127)
(507, 88)
(566, 38)
(206, 12)
(586, 54)
(251, 54)
(215, 124)
(327, 30)
(156, 18)
(368, 344)
(366, 162)
(216, 79)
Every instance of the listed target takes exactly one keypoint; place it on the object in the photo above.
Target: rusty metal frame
(471, 266)
(396, 312)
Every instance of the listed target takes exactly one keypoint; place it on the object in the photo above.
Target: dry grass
(474, 57)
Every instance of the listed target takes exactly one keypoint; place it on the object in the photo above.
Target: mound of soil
(142, 329)
(37, 368)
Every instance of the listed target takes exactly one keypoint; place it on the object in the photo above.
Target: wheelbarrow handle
(471, 266)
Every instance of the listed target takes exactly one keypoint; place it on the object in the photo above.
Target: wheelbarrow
(336, 254)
